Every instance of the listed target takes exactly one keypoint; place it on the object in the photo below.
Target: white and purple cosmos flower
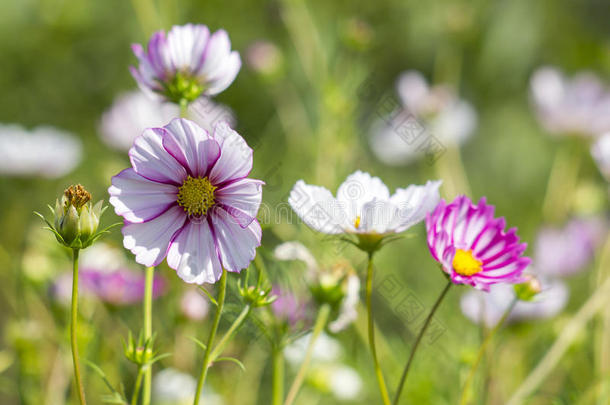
(577, 106)
(472, 246)
(188, 198)
(363, 205)
(186, 63)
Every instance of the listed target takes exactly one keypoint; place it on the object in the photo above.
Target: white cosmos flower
(426, 112)
(345, 383)
(41, 152)
(325, 349)
(363, 205)
(134, 111)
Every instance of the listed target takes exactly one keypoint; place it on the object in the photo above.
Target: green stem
(136, 389)
(148, 292)
(73, 328)
(319, 325)
(486, 341)
(277, 386)
(222, 289)
(369, 293)
(405, 372)
(229, 334)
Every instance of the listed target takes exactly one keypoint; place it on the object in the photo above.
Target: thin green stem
(229, 334)
(481, 353)
(73, 328)
(369, 293)
(319, 325)
(136, 389)
(421, 334)
(184, 106)
(222, 289)
(148, 292)
(277, 387)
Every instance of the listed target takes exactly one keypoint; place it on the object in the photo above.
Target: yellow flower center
(196, 195)
(357, 222)
(465, 264)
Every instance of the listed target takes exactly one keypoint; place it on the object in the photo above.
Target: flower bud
(527, 290)
(75, 220)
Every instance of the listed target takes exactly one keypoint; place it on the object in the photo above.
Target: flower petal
(317, 207)
(414, 202)
(150, 160)
(138, 199)
(358, 189)
(236, 245)
(149, 241)
(235, 161)
(241, 199)
(193, 254)
(191, 146)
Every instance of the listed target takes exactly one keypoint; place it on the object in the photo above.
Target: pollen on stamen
(196, 195)
(357, 222)
(465, 263)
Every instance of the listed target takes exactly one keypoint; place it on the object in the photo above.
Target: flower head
(194, 306)
(472, 246)
(187, 197)
(43, 151)
(426, 111)
(577, 106)
(186, 63)
(134, 112)
(363, 206)
(600, 150)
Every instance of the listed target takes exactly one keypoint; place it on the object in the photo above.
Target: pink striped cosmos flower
(472, 246)
(188, 198)
(186, 63)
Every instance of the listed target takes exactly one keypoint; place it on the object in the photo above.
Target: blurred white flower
(264, 57)
(325, 282)
(41, 152)
(426, 111)
(173, 387)
(490, 306)
(133, 112)
(345, 383)
(576, 106)
(600, 150)
(194, 306)
(325, 349)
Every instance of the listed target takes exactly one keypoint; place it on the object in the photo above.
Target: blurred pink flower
(263, 57)
(472, 246)
(600, 150)
(565, 251)
(576, 106)
(287, 307)
(490, 307)
(188, 198)
(425, 111)
(186, 63)
(194, 306)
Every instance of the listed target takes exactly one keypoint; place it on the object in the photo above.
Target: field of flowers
(304, 202)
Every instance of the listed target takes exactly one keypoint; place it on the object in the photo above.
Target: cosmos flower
(186, 63)
(567, 250)
(188, 198)
(424, 112)
(264, 57)
(194, 306)
(490, 307)
(339, 286)
(104, 274)
(42, 152)
(472, 246)
(133, 112)
(363, 206)
(600, 150)
(173, 387)
(288, 307)
(325, 349)
(576, 106)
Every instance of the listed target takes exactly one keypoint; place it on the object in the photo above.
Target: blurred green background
(64, 62)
